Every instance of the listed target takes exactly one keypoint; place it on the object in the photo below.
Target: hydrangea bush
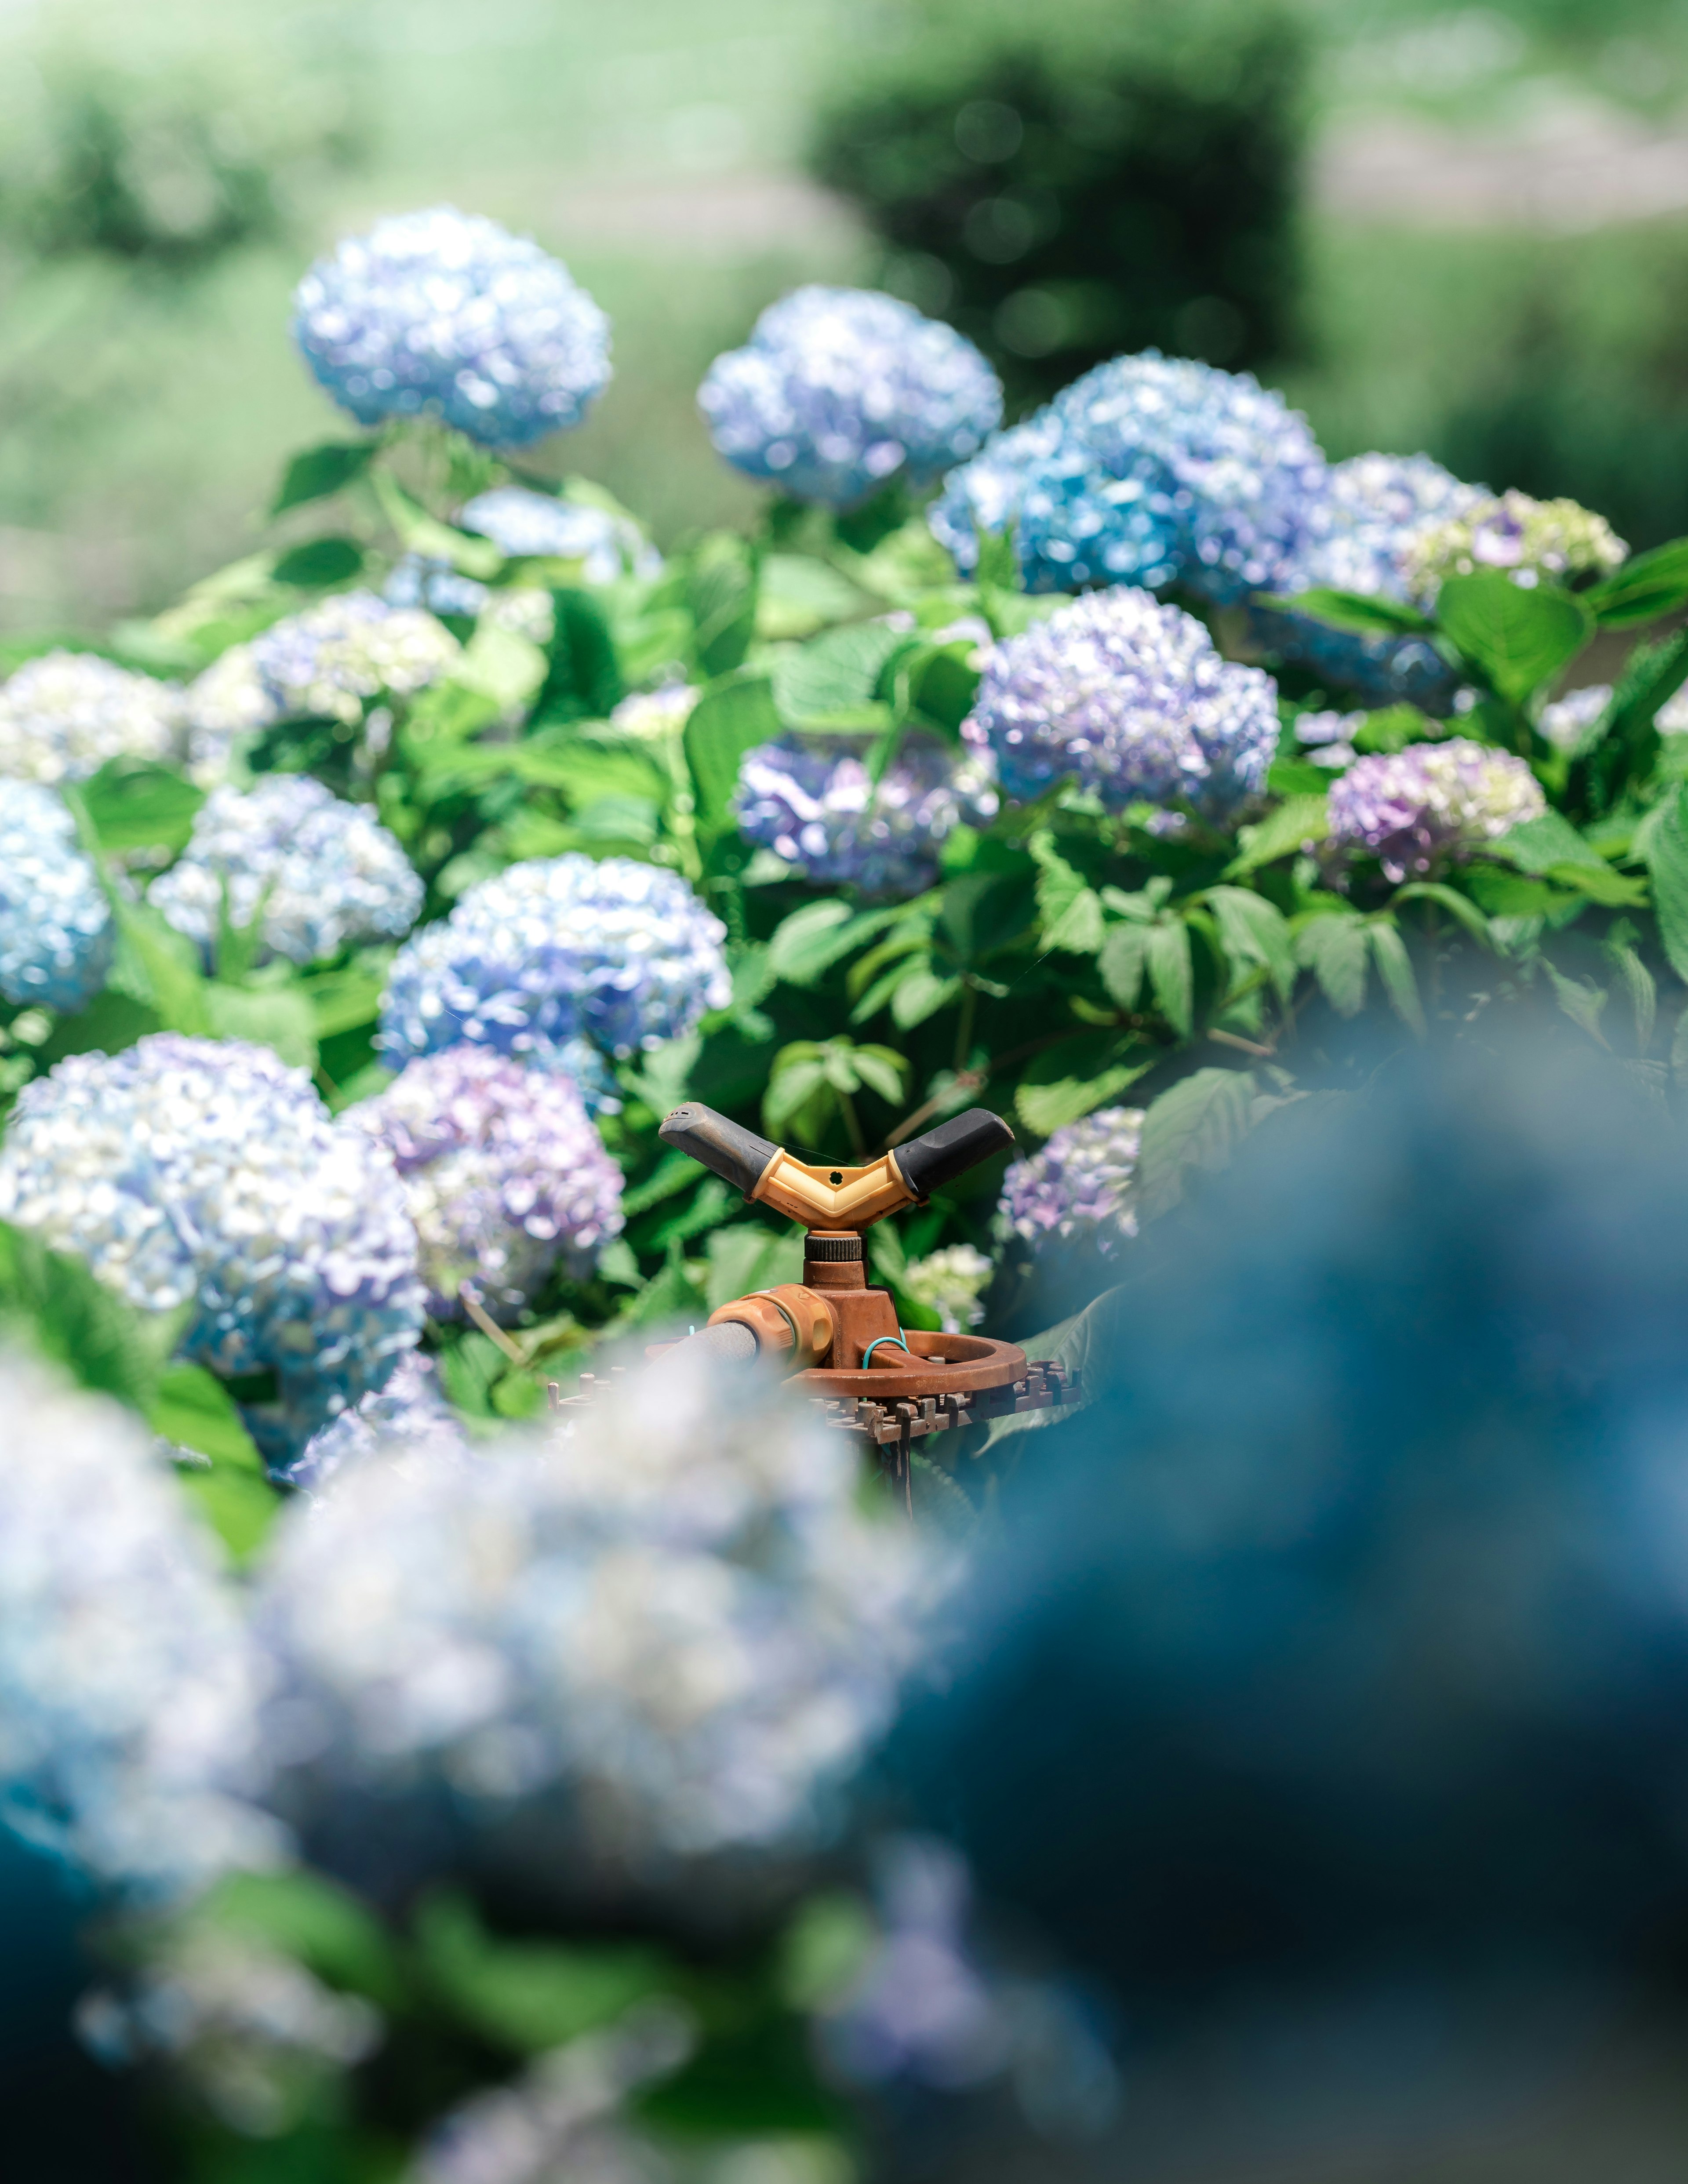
(363, 914)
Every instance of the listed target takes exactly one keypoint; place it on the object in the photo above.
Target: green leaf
(133, 805)
(1124, 958)
(1070, 909)
(157, 959)
(1667, 869)
(730, 718)
(111, 1022)
(820, 934)
(1281, 833)
(583, 679)
(1600, 883)
(998, 566)
(1196, 1123)
(315, 1921)
(1333, 948)
(836, 676)
(883, 1070)
(1253, 931)
(1582, 1001)
(1628, 752)
(528, 1995)
(315, 472)
(1359, 612)
(1076, 1078)
(342, 1001)
(1171, 973)
(1639, 983)
(192, 1407)
(319, 561)
(1394, 969)
(73, 1318)
(507, 667)
(276, 1017)
(675, 1172)
(920, 993)
(1458, 906)
(422, 533)
(749, 1257)
(1518, 638)
(1538, 845)
(720, 577)
(1651, 585)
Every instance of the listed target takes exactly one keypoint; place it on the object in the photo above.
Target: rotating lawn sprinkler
(836, 1335)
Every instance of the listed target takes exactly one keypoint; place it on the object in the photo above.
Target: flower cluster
(1130, 698)
(332, 659)
(1528, 539)
(424, 580)
(63, 715)
(503, 1174)
(1161, 468)
(1374, 508)
(1567, 722)
(436, 314)
(653, 715)
(812, 800)
(55, 923)
(317, 874)
(1412, 808)
(1075, 524)
(407, 1412)
(128, 1690)
(224, 707)
(522, 523)
(557, 949)
(951, 1283)
(662, 1633)
(1079, 1186)
(188, 1170)
(839, 390)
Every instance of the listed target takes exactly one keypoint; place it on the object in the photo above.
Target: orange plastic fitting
(788, 1321)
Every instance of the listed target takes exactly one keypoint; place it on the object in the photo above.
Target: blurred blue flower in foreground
(1374, 508)
(128, 1691)
(1130, 697)
(1078, 1189)
(662, 1633)
(1413, 808)
(839, 390)
(521, 522)
(351, 647)
(320, 874)
(440, 314)
(204, 1172)
(1075, 522)
(503, 1174)
(557, 949)
(55, 923)
(811, 799)
(63, 715)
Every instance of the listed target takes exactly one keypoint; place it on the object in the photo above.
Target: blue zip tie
(867, 1354)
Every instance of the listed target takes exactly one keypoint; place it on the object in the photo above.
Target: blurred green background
(1464, 230)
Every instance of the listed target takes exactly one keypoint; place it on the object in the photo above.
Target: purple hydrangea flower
(1130, 698)
(205, 1172)
(1530, 540)
(55, 922)
(438, 314)
(322, 874)
(503, 1174)
(558, 950)
(1079, 1187)
(811, 799)
(1413, 808)
(1075, 522)
(840, 389)
(1359, 540)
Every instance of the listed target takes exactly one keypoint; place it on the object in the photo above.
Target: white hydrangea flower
(64, 715)
(952, 1284)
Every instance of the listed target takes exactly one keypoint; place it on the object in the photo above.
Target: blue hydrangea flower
(839, 390)
(194, 1171)
(556, 950)
(1247, 473)
(522, 523)
(1075, 523)
(1412, 809)
(811, 799)
(1358, 540)
(63, 715)
(349, 648)
(55, 923)
(663, 1632)
(439, 313)
(1078, 1188)
(409, 1412)
(322, 874)
(429, 580)
(129, 1689)
(1130, 698)
(503, 1174)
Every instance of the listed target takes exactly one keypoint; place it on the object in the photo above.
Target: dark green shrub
(1068, 188)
